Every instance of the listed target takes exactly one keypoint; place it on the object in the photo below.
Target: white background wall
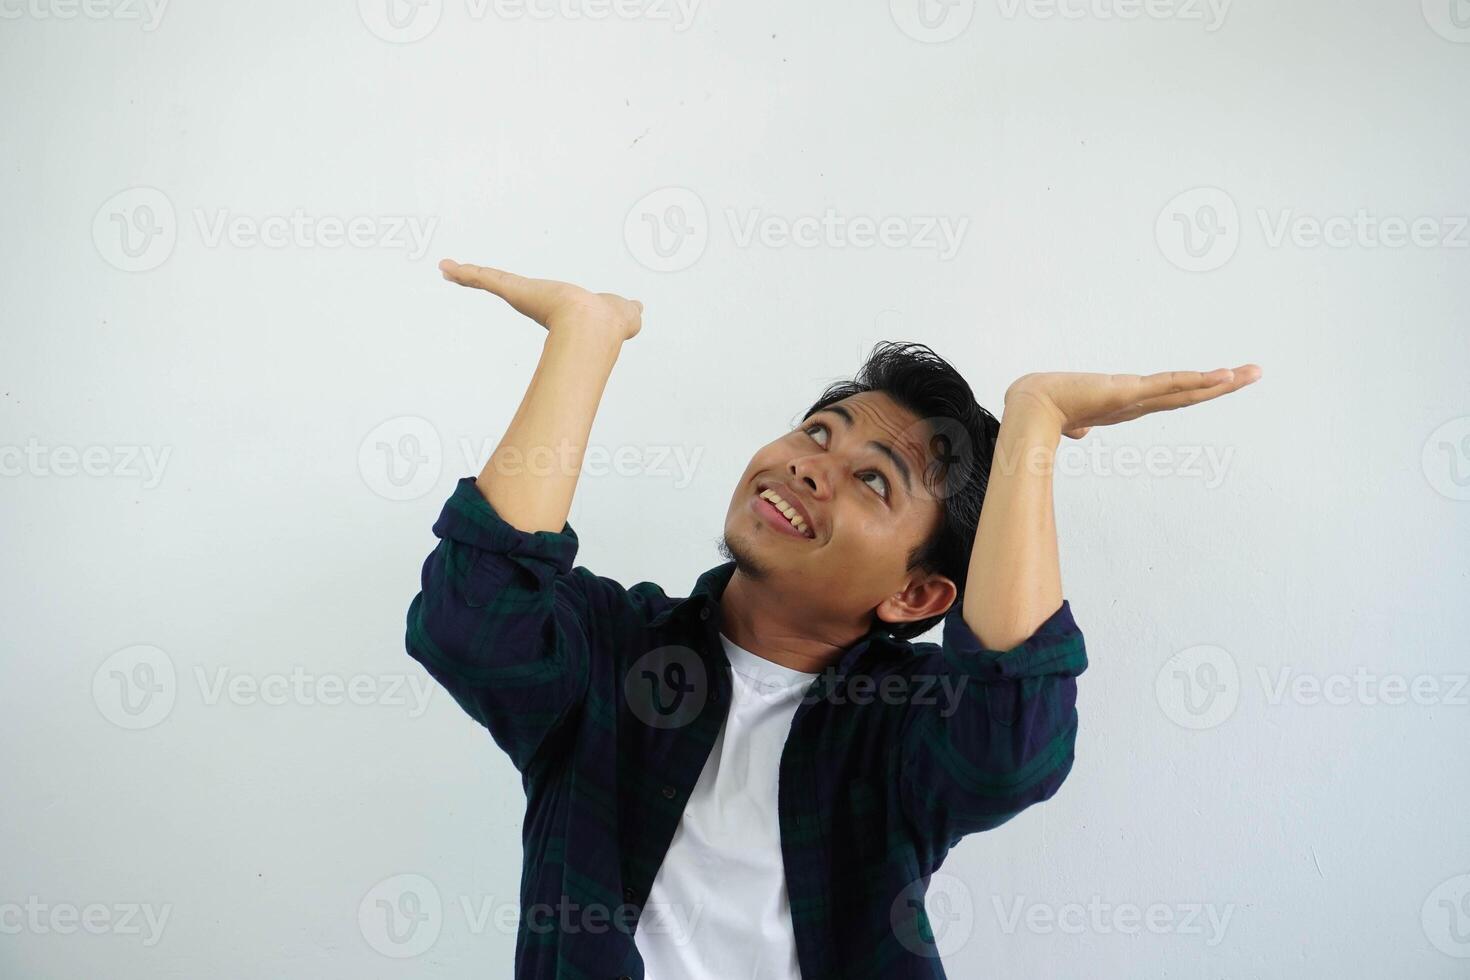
(1324, 545)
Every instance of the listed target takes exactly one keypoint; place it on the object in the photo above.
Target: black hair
(962, 438)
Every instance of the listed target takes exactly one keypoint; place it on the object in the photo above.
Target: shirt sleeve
(501, 621)
(1000, 735)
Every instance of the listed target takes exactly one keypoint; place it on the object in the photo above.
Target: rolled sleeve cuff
(468, 518)
(1056, 647)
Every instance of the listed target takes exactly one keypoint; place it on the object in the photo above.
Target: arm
(998, 737)
(1014, 569)
(1011, 650)
(501, 618)
(531, 476)
(1014, 580)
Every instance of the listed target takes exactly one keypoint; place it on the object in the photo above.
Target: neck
(751, 616)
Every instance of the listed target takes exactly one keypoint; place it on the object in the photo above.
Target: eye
(820, 426)
(884, 493)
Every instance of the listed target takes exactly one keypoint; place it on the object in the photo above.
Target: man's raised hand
(555, 305)
(1077, 401)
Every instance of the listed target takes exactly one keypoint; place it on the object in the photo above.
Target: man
(757, 780)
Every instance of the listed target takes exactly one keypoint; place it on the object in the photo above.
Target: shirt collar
(705, 598)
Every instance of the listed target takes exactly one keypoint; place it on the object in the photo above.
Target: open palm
(1079, 400)
(550, 302)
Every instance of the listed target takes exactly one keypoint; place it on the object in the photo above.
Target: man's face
(866, 509)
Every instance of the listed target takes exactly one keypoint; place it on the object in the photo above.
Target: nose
(809, 472)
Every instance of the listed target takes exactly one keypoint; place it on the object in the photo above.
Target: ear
(925, 596)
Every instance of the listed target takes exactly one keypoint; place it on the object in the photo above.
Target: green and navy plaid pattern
(608, 701)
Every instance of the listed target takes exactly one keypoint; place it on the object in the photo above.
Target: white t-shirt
(718, 908)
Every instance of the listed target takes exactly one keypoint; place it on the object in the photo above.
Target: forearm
(532, 474)
(1014, 580)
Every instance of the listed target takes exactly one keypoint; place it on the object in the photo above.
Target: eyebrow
(882, 447)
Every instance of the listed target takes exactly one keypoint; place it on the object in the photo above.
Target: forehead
(875, 412)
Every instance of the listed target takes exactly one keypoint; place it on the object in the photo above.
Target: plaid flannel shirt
(608, 701)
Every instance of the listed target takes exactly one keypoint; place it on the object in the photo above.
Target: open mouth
(781, 515)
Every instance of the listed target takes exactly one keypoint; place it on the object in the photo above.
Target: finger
(1173, 382)
(530, 297)
(496, 281)
(1166, 403)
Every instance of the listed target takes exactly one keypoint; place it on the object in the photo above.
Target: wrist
(1027, 443)
(593, 333)
(1031, 413)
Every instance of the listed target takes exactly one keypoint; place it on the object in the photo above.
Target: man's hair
(964, 434)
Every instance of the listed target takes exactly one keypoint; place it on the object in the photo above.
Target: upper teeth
(792, 514)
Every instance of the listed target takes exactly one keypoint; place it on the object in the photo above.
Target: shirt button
(629, 895)
(704, 613)
(669, 792)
